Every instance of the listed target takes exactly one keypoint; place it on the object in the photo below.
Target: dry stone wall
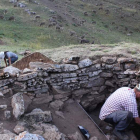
(88, 81)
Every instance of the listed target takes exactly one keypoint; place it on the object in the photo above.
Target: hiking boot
(120, 134)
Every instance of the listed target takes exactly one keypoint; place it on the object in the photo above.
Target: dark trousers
(120, 119)
(13, 59)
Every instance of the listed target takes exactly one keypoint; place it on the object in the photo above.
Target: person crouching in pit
(120, 109)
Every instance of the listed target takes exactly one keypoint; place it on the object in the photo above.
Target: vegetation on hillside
(98, 21)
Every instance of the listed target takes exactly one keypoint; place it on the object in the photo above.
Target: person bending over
(120, 109)
(10, 58)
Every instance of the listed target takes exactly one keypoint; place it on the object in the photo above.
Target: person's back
(10, 55)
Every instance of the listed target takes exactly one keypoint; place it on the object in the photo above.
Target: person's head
(2, 55)
(137, 91)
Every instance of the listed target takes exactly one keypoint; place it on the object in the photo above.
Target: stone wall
(88, 81)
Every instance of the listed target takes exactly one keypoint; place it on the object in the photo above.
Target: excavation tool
(93, 122)
(84, 132)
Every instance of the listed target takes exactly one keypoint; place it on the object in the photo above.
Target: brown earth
(73, 114)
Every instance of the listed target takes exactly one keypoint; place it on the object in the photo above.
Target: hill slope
(51, 23)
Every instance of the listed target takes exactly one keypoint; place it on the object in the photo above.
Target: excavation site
(44, 100)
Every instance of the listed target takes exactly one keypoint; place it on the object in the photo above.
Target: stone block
(20, 85)
(26, 70)
(109, 83)
(66, 75)
(117, 67)
(96, 83)
(108, 60)
(109, 66)
(130, 72)
(80, 92)
(95, 73)
(106, 75)
(125, 60)
(94, 68)
(83, 78)
(42, 90)
(83, 74)
(56, 76)
(70, 80)
(130, 66)
(27, 76)
(102, 88)
(83, 84)
(85, 63)
(120, 76)
(68, 67)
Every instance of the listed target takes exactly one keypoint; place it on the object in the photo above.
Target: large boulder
(37, 115)
(12, 71)
(18, 105)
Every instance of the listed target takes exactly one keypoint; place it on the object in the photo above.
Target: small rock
(3, 107)
(26, 70)
(108, 128)
(7, 114)
(19, 128)
(60, 114)
(57, 105)
(1, 95)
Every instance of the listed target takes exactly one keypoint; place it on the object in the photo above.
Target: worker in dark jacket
(10, 58)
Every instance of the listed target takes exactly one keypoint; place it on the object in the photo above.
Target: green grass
(25, 33)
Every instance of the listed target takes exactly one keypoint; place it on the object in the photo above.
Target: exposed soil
(73, 116)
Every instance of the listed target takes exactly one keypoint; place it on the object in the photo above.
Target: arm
(5, 61)
(9, 61)
(137, 120)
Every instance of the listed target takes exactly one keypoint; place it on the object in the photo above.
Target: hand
(137, 120)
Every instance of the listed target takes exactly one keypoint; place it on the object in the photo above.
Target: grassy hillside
(101, 21)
